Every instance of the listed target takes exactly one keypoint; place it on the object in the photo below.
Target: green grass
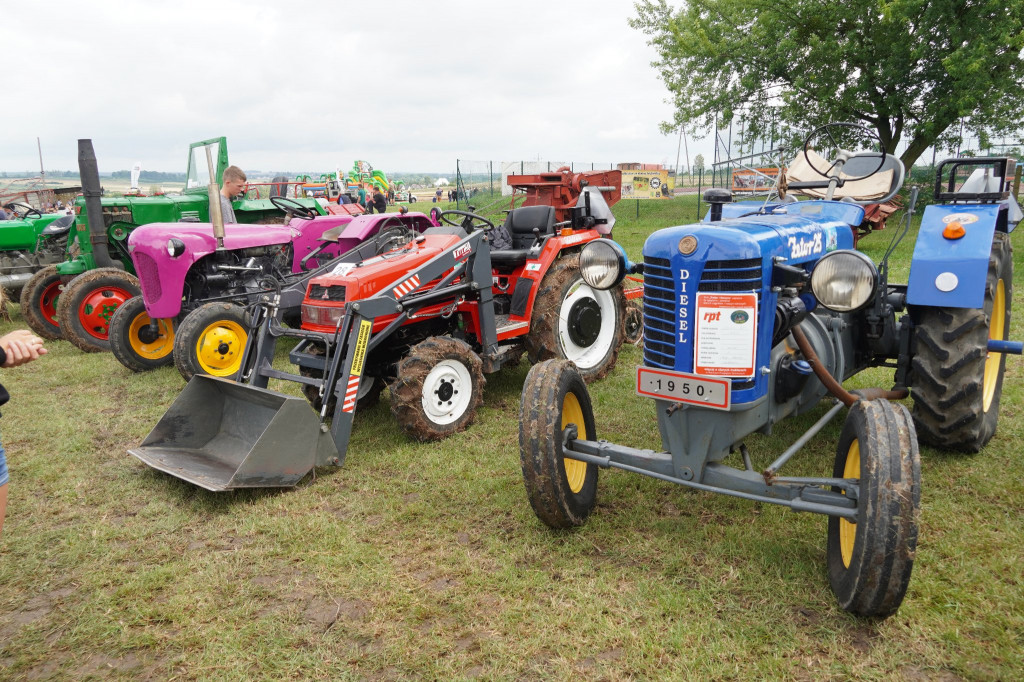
(425, 561)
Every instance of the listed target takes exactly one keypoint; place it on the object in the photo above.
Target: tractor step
(507, 353)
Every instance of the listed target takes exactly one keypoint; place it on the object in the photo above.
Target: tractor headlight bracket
(175, 247)
(844, 281)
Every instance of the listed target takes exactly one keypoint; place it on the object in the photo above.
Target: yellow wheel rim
(848, 530)
(160, 347)
(996, 330)
(219, 348)
(575, 470)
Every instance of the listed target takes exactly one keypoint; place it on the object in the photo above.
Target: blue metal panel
(966, 258)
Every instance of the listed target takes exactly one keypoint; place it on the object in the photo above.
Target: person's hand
(21, 346)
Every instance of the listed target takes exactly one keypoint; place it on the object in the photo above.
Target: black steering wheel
(834, 136)
(292, 207)
(24, 210)
(469, 222)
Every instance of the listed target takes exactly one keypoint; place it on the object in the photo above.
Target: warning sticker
(363, 340)
(726, 335)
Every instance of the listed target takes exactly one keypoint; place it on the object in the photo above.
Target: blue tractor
(759, 312)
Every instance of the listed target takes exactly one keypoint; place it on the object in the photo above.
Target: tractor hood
(362, 280)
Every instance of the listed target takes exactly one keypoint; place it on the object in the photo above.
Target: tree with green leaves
(911, 70)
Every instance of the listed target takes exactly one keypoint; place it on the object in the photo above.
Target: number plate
(683, 388)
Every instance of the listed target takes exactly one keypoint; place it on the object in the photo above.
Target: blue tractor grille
(660, 308)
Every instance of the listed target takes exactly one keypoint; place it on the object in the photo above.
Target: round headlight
(603, 263)
(844, 281)
(175, 247)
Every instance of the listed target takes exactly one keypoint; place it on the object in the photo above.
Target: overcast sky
(408, 85)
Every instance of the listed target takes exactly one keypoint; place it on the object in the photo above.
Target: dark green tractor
(75, 299)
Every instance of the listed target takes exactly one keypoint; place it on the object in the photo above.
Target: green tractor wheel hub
(98, 307)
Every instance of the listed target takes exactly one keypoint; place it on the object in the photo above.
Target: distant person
(391, 195)
(362, 196)
(232, 185)
(437, 195)
(4, 215)
(380, 202)
(16, 348)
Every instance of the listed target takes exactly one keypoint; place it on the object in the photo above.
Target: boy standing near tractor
(232, 184)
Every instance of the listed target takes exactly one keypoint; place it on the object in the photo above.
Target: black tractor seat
(59, 227)
(513, 241)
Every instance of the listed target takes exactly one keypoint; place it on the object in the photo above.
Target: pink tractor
(195, 291)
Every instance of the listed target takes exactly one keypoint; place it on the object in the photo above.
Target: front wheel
(956, 381)
(437, 389)
(870, 559)
(562, 491)
(211, 340)
(89, 301)
(134, 343)
(573, 321)
(39, 299)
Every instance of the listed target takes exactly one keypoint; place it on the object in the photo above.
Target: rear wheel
(573, 321)
(132, 341)
(562, 491)
(634, 324)
(956, 381)
(437, 389)
(870, 560)
(211, 340)
(39, 302)
(88, 302)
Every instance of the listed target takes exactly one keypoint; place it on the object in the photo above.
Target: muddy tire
(634, 323)
(131, 341)
(211, 340)
(562, 491)
(438, 388)
(367, 396)
(869, 561)
(572, 321)
(956, 381)
(39, 299)
(89, 301)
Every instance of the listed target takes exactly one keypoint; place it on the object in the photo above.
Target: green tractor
(75, 299)
(29, 242)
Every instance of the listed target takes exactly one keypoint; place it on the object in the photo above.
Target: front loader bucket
(221, 435)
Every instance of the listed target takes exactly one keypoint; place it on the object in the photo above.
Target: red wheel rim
(98, 307)
(48, 302)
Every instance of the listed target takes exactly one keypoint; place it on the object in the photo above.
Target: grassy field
(425, 561)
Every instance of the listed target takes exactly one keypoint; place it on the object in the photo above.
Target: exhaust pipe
(90, 174)
(15, 282)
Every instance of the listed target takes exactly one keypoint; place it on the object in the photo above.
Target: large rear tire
(870, 560)
(211, 340)
(131, 341)
(956, 381)
(575, 322)
(89, 301)
(562, 491)
(39, 299)
(438, 388)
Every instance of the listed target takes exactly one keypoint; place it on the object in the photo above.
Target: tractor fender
(950, 272)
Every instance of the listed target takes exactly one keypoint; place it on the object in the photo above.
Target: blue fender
(951, 273)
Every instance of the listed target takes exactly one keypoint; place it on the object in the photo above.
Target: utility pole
(42, 172)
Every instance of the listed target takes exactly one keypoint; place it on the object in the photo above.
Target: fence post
(490, 175)
(700, 189)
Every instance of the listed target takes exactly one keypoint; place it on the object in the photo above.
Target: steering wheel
(469, 222)
(393, 234)
(25, 211)
(837, 134)
(293, 207)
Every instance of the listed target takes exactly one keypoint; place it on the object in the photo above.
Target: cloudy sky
(409, 85)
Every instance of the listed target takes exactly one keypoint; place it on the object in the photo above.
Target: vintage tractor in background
(30, 242)
(758, 314)
(76, 298)
(427, 319)
(194, 291)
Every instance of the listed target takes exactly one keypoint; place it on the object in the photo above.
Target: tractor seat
(518, 229)
(58, 227)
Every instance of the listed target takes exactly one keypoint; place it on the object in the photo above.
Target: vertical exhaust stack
(90, 175)
(216, 215)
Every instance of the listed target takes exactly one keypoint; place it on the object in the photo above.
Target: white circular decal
(947, 281)
(962, 218)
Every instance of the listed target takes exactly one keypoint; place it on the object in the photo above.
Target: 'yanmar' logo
(801, 248)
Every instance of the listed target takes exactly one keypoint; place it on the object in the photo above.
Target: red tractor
(427, 319)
